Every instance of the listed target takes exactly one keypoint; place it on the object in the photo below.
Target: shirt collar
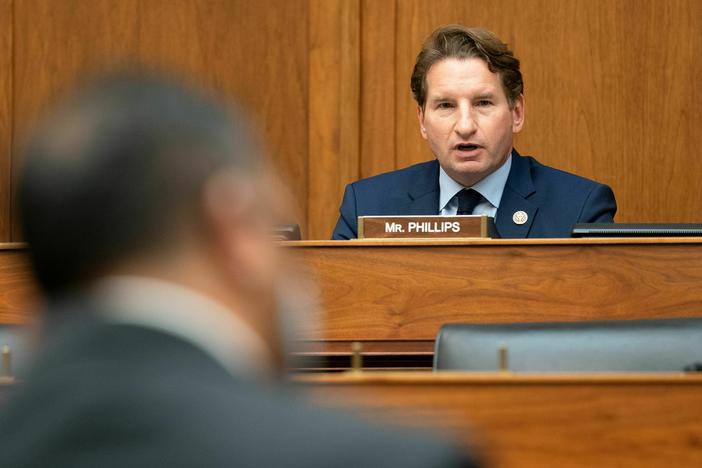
(186, 314)
(491, 187)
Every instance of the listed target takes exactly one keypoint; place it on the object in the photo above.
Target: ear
(420, 118)
(236, 227)
(231, 220)
(518, 114)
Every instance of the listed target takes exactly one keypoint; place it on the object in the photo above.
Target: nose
(466, 124)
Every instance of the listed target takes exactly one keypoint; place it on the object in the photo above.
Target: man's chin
(467, 173)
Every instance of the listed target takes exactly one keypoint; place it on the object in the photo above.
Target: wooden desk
(17, 290)
(537, 420)
(394, 295)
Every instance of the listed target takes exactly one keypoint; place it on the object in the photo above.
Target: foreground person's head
(140, 175)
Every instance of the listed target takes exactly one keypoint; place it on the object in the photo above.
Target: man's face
(467, 119)
(271, 288)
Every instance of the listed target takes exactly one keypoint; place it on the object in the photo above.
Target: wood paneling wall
(334, 58)
(6, 18)
(610, 84)
(256, 53)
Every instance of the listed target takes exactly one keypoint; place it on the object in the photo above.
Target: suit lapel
(511, 203)
(518, 188)
(423, 196)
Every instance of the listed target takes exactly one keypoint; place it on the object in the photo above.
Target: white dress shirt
(491, 188)
(188, 315)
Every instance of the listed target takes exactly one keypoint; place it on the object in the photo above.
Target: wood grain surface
(6, 68)
(334, 60)
(18, 295)
(256, 55)
(525, 421)
(378, 87)
(610, 91)
(493, 242)
(611, 87)
(406, 292)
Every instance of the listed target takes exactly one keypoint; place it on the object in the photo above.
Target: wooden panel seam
(334, 106)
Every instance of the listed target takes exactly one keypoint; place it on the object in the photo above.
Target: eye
(484, 103)
(444, 105)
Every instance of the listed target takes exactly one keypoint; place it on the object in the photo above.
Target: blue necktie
(468, 199)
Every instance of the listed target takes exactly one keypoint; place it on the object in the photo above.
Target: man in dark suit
(470, 103)
(147, 211)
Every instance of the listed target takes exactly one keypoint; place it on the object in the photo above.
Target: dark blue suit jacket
(553, 200)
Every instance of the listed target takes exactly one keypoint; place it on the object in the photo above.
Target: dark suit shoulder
(139, 397)
(554, 199)
(543, 174)
(390, 193)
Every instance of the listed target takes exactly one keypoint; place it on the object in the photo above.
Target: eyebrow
(440, 98)
(484, 96)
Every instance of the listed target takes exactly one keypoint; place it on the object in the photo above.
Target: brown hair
(458, 41)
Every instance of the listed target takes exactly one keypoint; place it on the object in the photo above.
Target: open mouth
(466, 147)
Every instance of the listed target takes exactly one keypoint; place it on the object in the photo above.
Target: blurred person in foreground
(147, 210)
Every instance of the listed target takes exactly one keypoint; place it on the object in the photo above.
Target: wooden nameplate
(425, 227)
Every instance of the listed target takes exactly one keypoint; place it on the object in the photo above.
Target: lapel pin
(520, 217)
